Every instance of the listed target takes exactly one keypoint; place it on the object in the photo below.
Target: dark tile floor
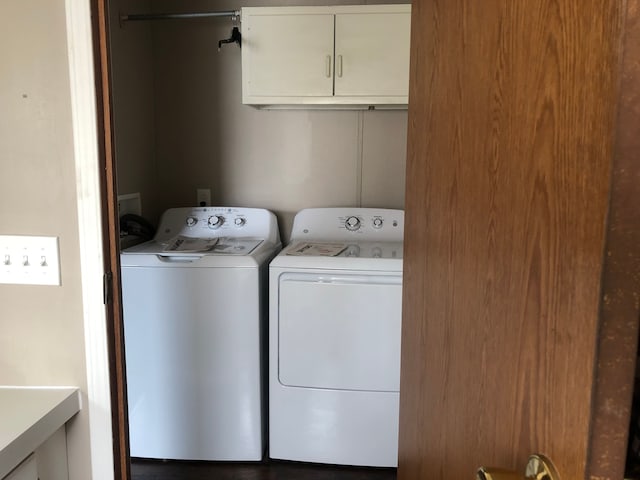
(268, 470)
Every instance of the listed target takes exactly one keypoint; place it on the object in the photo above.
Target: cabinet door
(288, 55)
(372, 54)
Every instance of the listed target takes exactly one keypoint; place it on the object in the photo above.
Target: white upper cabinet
(340, 55)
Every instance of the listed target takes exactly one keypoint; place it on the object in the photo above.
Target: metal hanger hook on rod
(236, 37)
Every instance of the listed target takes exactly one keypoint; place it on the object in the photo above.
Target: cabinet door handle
(328, 66)
(339, 66)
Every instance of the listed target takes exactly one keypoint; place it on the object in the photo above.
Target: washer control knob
(191, 221)
(216, 221)
(377, 222)
(239, 221)
(352, 223)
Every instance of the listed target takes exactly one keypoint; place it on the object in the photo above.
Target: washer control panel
(364, 224)
(354, 223)
(360, 223)
(207, 222)
(214, 221)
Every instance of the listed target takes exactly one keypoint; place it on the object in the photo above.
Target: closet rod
(172, 16)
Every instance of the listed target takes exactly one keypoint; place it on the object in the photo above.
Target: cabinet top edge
(334, 9)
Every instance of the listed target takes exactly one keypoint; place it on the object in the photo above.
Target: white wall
(42, 339)
(205, 137)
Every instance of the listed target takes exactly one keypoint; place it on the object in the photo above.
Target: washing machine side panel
(340, 331)
(192, 342)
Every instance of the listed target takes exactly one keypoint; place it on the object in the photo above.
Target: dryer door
(340, 331)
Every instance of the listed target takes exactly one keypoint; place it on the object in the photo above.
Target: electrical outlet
(29, 260)
(203, 196)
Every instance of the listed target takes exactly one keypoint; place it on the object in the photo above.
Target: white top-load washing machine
(335, 309)
(195, 313)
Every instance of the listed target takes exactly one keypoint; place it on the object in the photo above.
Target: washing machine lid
(207, 247)
(235, 246)
(374, 256)
(378, 250)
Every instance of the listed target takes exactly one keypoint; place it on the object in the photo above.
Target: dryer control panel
(363, 224)
(209, 222)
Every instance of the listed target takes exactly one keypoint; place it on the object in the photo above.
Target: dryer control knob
(191, 221)
(352, 223)
(215, 221)
(377, 222)
(239, 221)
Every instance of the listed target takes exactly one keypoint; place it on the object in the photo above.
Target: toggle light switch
(29, 260)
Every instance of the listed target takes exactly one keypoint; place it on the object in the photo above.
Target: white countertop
(30, 415)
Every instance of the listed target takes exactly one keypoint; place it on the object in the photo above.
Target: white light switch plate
(29, 260)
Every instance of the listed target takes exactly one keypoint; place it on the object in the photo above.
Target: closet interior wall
(180, 125)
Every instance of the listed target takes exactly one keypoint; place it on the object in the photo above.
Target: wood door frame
(110, 258)
(618, 335)
(111, 235)
(86, 54)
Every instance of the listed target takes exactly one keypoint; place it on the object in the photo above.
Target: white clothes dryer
(195, 312)
(335, 314)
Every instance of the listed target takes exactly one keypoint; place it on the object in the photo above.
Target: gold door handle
(539, 467)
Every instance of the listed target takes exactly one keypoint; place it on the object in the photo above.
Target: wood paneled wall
(512, 127)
